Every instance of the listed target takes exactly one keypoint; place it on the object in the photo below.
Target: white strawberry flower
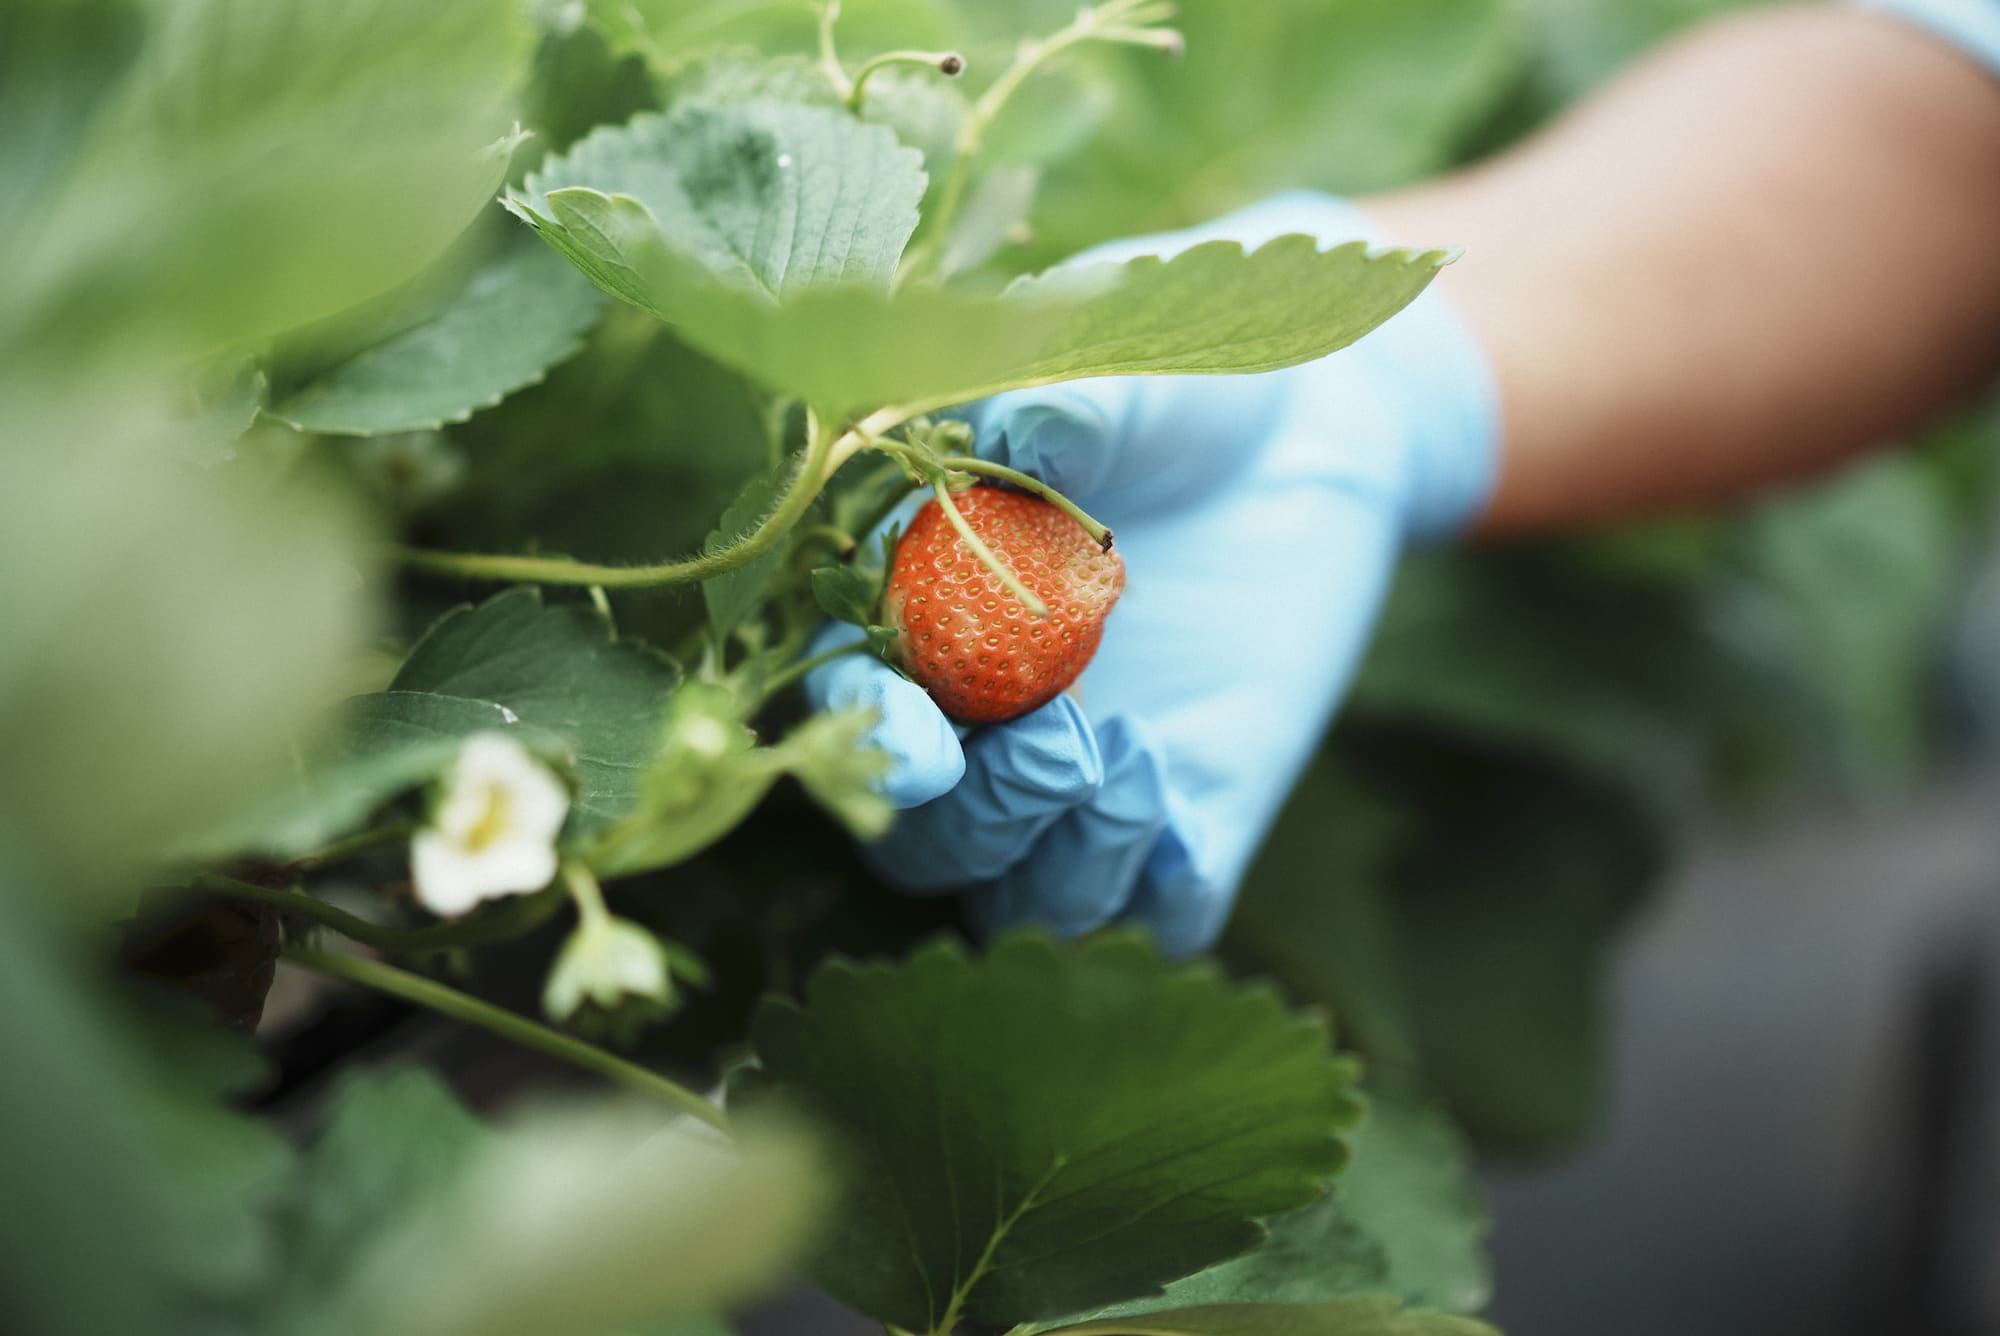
(607, 961)
(494, 831)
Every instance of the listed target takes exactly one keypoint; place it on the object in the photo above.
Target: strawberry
(982, 654)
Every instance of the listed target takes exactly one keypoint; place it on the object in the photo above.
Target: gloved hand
(1260, 518)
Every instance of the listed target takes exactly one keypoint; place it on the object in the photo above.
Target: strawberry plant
(439, 439)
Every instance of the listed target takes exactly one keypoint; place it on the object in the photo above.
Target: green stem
(1115, 19)
(973, 464)
(829, 57)
(949, 1322)
(794, 671)
(988, 558)
(602, 602)
(503, 923)
(359, 842)
(584, 890)
(429, 993)
(948, 63)
(887, 507)
(841, 540)
(804, 488)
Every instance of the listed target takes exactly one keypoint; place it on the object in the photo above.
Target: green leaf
(774, 197)
(656, 441)
(1211, 310)
(513, 319)
(580, 83)
(383, 745)
(558, 669)
(735, 595)
(1215, 309)
(60, 65)
(845, 594)
(552, 673)
(592, 1220)
(1344, 1317)
(264, 165)
(135, 1195)
(1410, 1192)
(1403, 1220)
(1048, 1128)
(706, 776)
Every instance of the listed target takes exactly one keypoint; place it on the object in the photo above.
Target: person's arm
(1769, 245)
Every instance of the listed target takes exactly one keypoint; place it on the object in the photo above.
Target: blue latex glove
(1260, 519)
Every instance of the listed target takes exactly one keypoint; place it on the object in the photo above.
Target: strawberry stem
(825, 453)
(1001, 571)
(1029, 483)
(1124, 22)
(798, 668)
(947, 63)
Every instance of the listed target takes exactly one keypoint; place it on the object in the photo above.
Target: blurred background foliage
(1539, 728)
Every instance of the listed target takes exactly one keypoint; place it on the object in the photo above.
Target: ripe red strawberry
(982, 655)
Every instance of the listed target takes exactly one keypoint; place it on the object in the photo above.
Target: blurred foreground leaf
(168, 629)
(263, 165)
(580, 1221)
(134, 1197)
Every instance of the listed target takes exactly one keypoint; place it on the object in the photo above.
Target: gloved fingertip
(925, 758)
(1048, 757)
(1062, 434)
(1083, 870)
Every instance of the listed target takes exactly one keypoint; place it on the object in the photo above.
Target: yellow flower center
(493, 818)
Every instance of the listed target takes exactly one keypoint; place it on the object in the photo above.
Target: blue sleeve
(1972, 24)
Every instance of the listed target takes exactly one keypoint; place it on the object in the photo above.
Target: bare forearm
(1772, 244)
